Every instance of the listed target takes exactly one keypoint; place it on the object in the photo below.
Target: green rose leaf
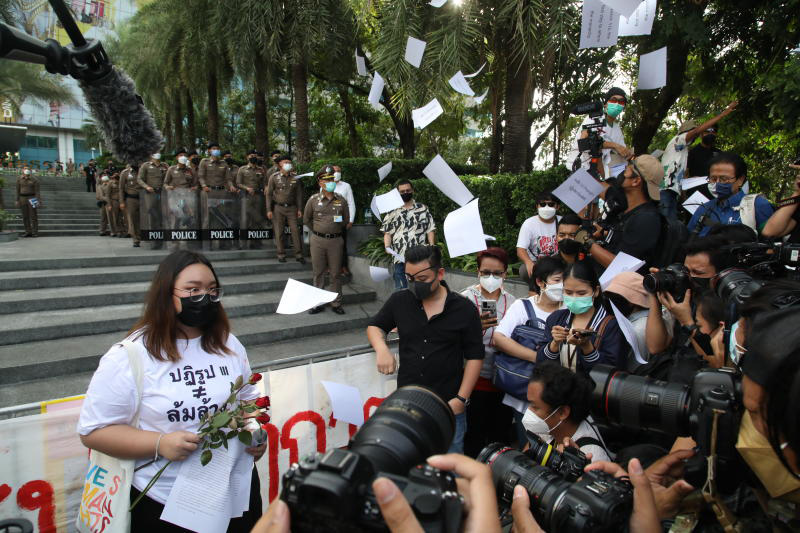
(250, 407)
(225, 443)
(231, 398)
(205, 457)
(220, 419)
(246, 437)
(216, 445)
(230, 435)
(239, 382)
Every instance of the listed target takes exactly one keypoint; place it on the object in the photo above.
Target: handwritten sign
(578, 190)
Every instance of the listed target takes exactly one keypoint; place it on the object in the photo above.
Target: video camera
(711, 405)
(593, 143)
(596, 502)
(334, 493)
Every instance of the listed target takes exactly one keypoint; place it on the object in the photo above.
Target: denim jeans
(668, 206)
(457, 445)
(400, 281)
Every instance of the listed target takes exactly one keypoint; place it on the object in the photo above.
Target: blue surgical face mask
(735, 350)
(724, 190)
(578, 304)
(215, 153)
(330, 186)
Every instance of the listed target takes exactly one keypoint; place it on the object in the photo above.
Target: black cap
(193, 152)
(616, 91)
(212, 144)
(180, 151)
(274, 152)
(283, 157)
(252, 152)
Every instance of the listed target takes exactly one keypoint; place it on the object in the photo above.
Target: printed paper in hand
(621, 263)
(395, 255)
(345, 402)
(298, 297)
(437, 3)
(463, 231)
(599, 25)
(361, 65)
(623, 7)
(373, 205)
(389, 201)
(379, 274)
(629, 334)
(414, 50)
(641, 22)
(384, 171)
(440, 173)
(653, 69)
(460, 84)
(376, 90)
(479, 99)
(691, 183)
(578, 190)
(694, 201)
(426, 114)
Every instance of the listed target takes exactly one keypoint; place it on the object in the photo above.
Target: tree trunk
(405, 132)
(352, 134)
(289, 120)
(191, 132)
(177, 119)
(213, 107)
(496, 154)
(167, 129)
(261, 113)
(300, 83)
(517, 130)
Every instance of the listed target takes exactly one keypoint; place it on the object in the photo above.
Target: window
(36, 141)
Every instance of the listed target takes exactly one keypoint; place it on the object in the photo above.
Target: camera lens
(661, 281)
(735, 285)
(410, 425)
(626, 400)
(569, 463)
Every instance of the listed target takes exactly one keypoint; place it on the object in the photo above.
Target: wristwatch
(465, 401)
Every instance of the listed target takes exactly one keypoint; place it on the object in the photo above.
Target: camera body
(673, 279)
(332, 492)
(593, 143)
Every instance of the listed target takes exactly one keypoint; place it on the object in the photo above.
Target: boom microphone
(128, 127)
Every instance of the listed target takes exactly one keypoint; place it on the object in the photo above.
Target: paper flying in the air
(623, 7)
(384, 171)
(479, 99)
(629, 333)
(373, 206)
(621, 263)
(441, 175)
(641, 22)
(653, 70)
(414, 51)
(298, 297)
(691, 183)
(463, 231)
(361, 65)
(599, 25)
(460, 84)
(376, 90)
(426, 114)
(389, 201)
(437, 3)
(379, 274)
(475, 73)
(345, 402)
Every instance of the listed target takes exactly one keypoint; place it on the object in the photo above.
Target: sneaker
(281, 260)
(338, 310)
(136, 245)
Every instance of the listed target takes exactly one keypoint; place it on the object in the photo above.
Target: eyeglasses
(197, 295)
(722, 179)
(497, 273)
(547, 203)
(411, 277)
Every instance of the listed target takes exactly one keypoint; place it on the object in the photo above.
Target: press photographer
(614, 153)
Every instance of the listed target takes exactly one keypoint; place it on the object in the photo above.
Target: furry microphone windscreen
(126, 124)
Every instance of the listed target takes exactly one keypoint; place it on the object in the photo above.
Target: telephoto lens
(597, 502)
(569, 463)
(333, 492)
(673, 279)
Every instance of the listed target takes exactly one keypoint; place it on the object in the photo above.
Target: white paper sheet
(384, 171)
(621, 263)
(515, 403)
(625, 8)
(394, 254)
(440, 173)
(694, 201)
(463, 231)
(379, 274)
(361, 65)
(599, 25)
(426, 114)
(437, 3)
(414, 51)
(746, 187)
(298, 176)
(640, 22)
(488, 238)
(653, 69)
(460, 84)
(578, 190)
(475, 73)
(373, 205)
(479, 99)
(629, 334)
(691, 183)
(298, 297)
(376, 90)
(345, 402)
(389, 201)
(202, 497)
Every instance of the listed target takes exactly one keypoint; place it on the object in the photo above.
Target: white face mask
(538, 425)
(287, 167)
(105, 178)
(491, 283)
(156, 156)
(555, 291)
(337, 176)
(27, 172)
(547, 212)
(712, 188)
(183, 160)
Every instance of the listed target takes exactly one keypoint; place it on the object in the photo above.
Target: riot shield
(181, 219)
(219, 218)
(151, 219)
(254, 225)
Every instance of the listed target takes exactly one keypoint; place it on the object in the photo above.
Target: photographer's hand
(644, 518)
(524, 522)
(667, 492)
(681, 311)
(275, 520)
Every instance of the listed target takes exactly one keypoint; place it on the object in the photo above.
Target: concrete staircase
(68, 209)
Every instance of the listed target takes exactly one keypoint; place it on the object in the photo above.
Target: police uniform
(213, 173)
(253, 217)
(129, 191)
(180, 177)
(327, 219)
(180, 204)
(101, 193)
(151, 174)
(217, 206)
(27, 190)
(284, 200)
(113, 200)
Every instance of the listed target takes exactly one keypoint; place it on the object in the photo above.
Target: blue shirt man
(726, 175)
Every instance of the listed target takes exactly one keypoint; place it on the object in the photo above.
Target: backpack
(512, 374)
(673, 236)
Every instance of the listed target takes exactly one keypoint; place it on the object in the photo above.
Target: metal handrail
(295, 360)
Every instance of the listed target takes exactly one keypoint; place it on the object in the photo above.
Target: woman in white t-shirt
(189, 359)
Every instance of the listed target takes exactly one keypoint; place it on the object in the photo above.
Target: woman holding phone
(586, 332)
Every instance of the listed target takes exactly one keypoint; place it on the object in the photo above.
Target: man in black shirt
(438, 330)
(701, 154)
(638, 230)
(90, 171)
(786, 220)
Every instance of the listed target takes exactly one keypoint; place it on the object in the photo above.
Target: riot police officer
(129, 191)
(180, 175)
(219, 209)
(251, 179)
(114, 212)
(284, 204)
(29, 201)
(180, 207)
(151, 179)
(327, 215)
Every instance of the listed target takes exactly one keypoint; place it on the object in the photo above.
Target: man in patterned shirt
(405, 227)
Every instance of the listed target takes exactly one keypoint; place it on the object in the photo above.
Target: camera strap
(788, 201)
(725, 517)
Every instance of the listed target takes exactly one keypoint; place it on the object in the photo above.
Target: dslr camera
(569, 463)
(597, 502)
(593, 143)
(673, 279)
(333, 492)
(714, 398)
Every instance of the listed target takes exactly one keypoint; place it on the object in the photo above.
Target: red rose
(263, 419)
(255, 378)
(263, 402)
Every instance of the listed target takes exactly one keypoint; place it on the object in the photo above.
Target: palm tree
(19, 81)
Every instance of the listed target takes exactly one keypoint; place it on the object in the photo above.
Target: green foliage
(5, 216)
(375, 252)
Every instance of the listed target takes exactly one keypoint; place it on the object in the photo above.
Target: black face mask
(195, 160)
(569, 246)
(406, 196)
(253, 161)
(709, 139)
(421, 289)
(701, 285)
(198, 314)
(229, 160)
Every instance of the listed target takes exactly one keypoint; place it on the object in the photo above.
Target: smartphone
(582, 333)
(489, 306)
